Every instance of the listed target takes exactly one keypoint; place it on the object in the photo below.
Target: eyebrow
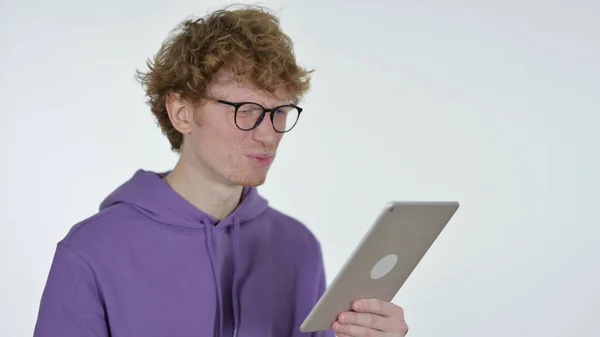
(275, 104)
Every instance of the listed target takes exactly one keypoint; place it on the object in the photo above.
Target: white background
(491, 103)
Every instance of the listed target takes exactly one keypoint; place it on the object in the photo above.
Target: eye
(282, 110)
(249, 110)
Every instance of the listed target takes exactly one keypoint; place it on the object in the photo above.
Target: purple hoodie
(150, 264)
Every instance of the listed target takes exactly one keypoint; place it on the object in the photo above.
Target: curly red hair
(248, 42)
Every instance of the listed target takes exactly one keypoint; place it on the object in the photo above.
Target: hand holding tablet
(380, 265)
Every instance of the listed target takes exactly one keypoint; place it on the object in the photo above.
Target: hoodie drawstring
(236, 277)
(236, 267)
(211, 255)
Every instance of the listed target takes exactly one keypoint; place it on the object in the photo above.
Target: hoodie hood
(150, 194)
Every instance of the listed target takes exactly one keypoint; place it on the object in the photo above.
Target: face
(216, 146)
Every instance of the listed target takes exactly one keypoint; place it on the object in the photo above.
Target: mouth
(261, 159)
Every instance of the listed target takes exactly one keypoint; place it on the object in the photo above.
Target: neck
(207, 194)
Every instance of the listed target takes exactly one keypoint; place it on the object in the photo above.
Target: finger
(378, 307)
(354, 330)
(341, 335)
(365, 319)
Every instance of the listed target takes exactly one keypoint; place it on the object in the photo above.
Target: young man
(197, 251)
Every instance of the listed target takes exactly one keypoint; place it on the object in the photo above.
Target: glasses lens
(285, 118)
(247, 116)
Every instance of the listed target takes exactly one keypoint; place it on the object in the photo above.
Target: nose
(264, 132)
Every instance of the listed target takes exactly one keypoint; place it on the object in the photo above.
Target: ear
(179, 113)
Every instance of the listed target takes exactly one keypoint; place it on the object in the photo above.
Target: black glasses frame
(260, 118)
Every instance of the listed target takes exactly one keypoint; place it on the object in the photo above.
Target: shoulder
(100, 231)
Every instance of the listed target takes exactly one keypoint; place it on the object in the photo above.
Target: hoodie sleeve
(71, 304)
(322, 285)
(312, 285)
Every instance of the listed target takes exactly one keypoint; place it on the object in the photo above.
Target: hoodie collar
(147, 192)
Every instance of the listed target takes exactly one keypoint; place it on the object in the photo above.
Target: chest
(186, 289)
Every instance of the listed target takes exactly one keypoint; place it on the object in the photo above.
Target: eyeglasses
(249, 115)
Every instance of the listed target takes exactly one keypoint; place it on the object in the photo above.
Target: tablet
(385, 257)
